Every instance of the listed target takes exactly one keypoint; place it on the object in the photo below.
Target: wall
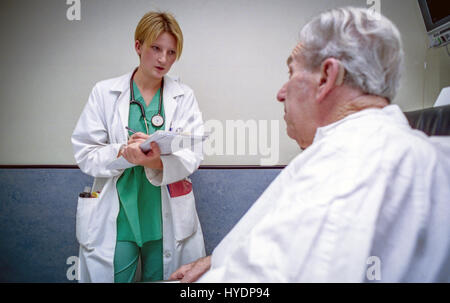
(436, 74)
(234, 59)
(37, 223)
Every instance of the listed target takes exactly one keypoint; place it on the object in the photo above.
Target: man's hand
(193, 271)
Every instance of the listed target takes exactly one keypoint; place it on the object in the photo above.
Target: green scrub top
(139, 218)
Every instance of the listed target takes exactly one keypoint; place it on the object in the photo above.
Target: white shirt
(369, 200)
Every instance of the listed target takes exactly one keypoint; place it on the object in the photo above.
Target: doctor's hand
(193, 271)
(141, 137)
(133, 154)
(137, 137)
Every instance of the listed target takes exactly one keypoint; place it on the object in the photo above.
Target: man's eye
(155, 48)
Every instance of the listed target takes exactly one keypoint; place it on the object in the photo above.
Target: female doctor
(146, 212)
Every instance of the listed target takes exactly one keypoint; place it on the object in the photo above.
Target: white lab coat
(97, 138)
(369, 200)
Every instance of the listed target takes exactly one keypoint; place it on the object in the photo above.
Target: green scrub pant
(126, 258)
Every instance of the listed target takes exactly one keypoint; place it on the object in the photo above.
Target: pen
(131, 130)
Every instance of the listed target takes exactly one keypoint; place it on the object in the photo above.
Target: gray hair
(368, 45)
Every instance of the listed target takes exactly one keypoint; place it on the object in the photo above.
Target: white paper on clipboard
(168, 142)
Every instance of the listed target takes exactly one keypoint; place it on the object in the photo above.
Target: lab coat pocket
(180, 188)
(184, 216)
(84, 217)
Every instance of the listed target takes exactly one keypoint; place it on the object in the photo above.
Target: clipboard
(168, 142)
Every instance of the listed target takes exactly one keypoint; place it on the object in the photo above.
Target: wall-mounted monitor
(435, 13)
(436, 16)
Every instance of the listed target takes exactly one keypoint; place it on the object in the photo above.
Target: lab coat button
(167, 254)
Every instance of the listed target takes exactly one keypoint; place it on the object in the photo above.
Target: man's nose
(281, 96)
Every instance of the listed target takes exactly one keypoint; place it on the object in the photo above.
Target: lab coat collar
(121, 83)
(392, 112)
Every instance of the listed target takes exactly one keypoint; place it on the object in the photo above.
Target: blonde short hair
(154, 24)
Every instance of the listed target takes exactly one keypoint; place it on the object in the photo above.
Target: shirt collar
(392, 112)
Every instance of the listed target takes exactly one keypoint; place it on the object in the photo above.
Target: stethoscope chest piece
(157, 120)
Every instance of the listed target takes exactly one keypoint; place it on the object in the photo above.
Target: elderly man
(369, 197)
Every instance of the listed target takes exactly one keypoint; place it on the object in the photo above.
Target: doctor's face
(157, 57)
(298, 96)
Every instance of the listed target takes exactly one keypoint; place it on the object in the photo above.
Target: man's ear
(332, 74)
(341, 74)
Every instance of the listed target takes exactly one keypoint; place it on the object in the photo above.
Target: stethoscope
(157, 120)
